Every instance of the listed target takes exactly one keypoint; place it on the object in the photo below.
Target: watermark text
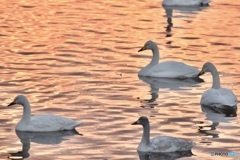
(226, 154)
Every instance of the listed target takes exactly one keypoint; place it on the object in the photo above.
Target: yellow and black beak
(14, 102)
(201, 72)
(143, 48)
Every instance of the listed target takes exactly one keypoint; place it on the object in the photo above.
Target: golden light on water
(79, 59)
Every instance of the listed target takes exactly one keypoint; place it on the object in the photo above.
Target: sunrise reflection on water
(79, 59)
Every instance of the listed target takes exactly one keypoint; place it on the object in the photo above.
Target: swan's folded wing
(169, 144)
(48, 123)
(219, 97)
(172, 69)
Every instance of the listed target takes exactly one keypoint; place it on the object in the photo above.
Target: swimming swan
(41, 122)
(185, 2)
(168, 69)
(216, 96)
(160, 143)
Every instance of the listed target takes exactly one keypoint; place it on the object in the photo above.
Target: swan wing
(49, 123)
(219, 97)
(172, 69)
(169, 144)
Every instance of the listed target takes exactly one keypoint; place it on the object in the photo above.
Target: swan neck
(154, 61)
(26, 112)
(216, 79)
(146, 135)
(155, 58)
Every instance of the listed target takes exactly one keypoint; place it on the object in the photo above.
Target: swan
(217, 96)
(41, 122)
(160, 143)
(185, 2)
(168, 69)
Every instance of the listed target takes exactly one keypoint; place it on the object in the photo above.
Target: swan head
(149, 45)
(206, 68)
(142, 121)
(20, 99)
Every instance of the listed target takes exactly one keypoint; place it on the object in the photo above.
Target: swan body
(185, 2)
(168, 69)
(160, 143)
(41, 122)
(217, 96)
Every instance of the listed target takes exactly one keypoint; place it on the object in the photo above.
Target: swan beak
(201, 72)
(135, 123)
(143, 48)
(14, 102)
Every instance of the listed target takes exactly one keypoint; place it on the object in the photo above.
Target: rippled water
(79, 59)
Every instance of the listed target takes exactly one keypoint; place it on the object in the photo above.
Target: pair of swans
(214, 97)
(166, 144)
(51, 123)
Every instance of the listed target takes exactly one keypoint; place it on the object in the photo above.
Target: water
(79, 59)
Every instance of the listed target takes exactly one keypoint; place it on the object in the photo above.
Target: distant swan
(217, 96)
(160, 143)
(185, 2)
(168, 69)
(41, 122)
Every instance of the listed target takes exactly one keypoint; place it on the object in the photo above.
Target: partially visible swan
(160, 143)
(168, 69)
(185, 2)
(41, 122)
(217, 96)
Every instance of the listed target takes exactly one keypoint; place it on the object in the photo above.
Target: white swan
(216, 96)
(41, 123)
(185, 2)
(160, 143)
(168, 69)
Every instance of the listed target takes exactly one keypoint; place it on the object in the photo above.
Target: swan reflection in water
(161, 156)
(217, 116)
(46, 138)
(184, 10)
(167, 83)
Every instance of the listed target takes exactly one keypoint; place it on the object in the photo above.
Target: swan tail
(188, 146)
(205, 2)
(72, 126)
